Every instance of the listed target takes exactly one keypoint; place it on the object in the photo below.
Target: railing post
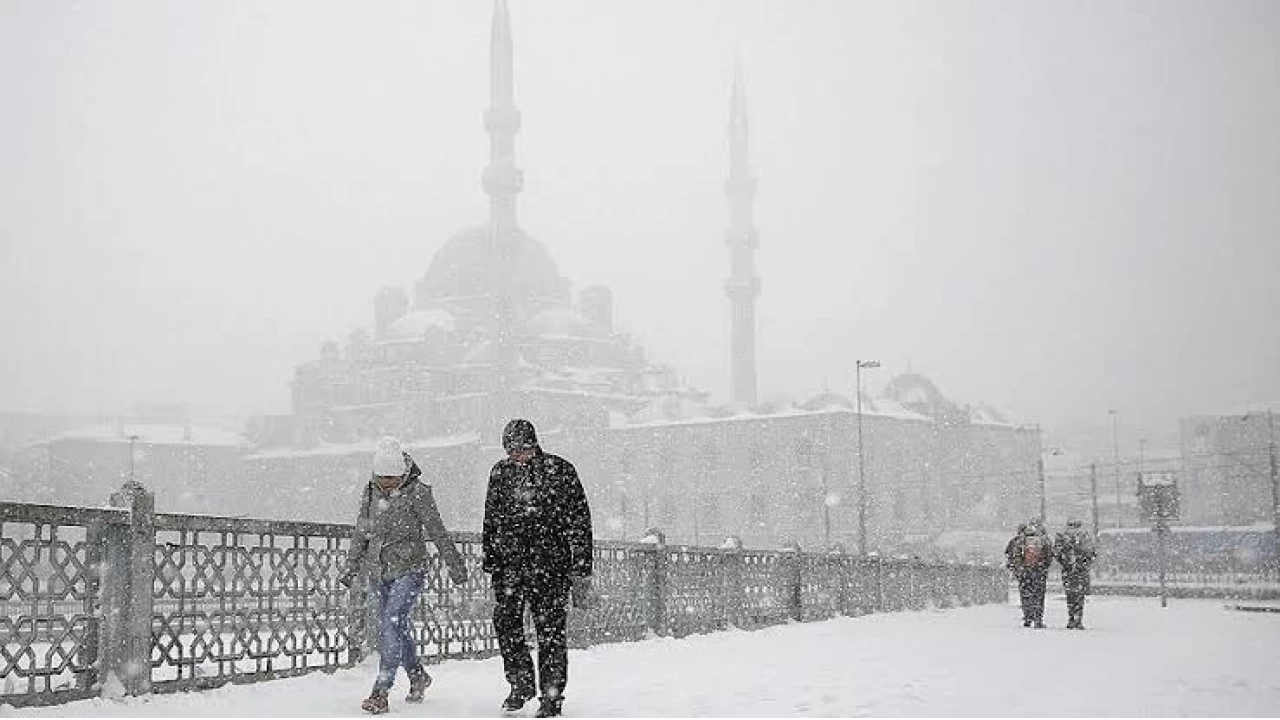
(879, 565)
(733, 586)
(127, 576)
(840, 563)
(657, 539)
(94, 543)
(793, 580)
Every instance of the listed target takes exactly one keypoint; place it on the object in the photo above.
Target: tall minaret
(743, 286)
(502, 179)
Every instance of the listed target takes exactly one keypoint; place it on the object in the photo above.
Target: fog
(1055, 208)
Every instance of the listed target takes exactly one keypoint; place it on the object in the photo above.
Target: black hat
(519, 434)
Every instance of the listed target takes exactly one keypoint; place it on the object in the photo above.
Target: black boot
(419, 681)
(516, 700)
(549, 708)
(376, 703)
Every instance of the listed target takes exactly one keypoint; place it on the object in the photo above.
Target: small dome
(413, 325)
(828, 401)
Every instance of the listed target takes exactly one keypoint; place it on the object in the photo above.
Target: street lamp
(859, 366)
(1115, 448)
(132, 439)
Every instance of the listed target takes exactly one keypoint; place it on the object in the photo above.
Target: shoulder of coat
(555, 462)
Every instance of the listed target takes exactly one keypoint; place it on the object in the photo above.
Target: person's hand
(458, 574)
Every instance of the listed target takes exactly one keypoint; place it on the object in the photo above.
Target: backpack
(1033, 551)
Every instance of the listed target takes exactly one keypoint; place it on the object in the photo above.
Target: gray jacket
(389, 537)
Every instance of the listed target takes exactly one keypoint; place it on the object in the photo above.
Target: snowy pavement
(1194, 658)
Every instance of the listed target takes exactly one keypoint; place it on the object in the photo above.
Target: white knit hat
(388, 458)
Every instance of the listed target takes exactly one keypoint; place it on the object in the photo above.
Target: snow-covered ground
(1194, 658)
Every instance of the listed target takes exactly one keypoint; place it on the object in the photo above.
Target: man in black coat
(537, 547)
(1075, 553)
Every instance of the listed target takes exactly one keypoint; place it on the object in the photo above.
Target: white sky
(1054, 207)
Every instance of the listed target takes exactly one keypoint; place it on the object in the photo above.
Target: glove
(458, 574)
(581, 593)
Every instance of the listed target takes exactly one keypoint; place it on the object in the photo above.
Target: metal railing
(1262, 584)
(127, 601)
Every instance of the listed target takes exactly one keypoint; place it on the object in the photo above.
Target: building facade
(1227, 476)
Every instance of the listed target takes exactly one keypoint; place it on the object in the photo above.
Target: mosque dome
(469, 266)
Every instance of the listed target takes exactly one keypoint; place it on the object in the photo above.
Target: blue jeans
(396, 600)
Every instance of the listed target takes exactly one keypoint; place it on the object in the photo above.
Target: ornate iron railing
(124, 600)
(50, 610)
(246, 600)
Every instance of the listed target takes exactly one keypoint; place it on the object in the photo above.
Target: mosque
(493, 330)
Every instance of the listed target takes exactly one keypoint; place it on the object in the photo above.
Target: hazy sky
(1054, 207)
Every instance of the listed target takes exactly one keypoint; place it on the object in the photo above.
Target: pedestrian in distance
(1029, 555)
(1075, 554)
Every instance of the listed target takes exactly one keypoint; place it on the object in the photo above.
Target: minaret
(502, 179)
(743, 286)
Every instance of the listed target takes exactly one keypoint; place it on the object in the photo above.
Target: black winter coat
(536, 519)
(1075, 553)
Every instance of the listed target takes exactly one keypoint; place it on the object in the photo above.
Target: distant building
(192, 468)
(1226, 470)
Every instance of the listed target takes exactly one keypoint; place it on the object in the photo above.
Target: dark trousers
(548, 600)
(1075, 607)
(1031, 589)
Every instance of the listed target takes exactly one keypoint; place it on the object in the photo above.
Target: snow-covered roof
(413, 325)
(888, 407)
(706, 416)
(670, 409)
(1258, 407)
(1256, 527)
(985, 414)
(156, 434)
(365, 447)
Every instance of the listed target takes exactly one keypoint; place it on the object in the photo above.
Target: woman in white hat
(397, 516)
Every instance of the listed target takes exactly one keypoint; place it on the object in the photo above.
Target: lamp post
(1115, 449)
(132, 439)
(859, 366)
